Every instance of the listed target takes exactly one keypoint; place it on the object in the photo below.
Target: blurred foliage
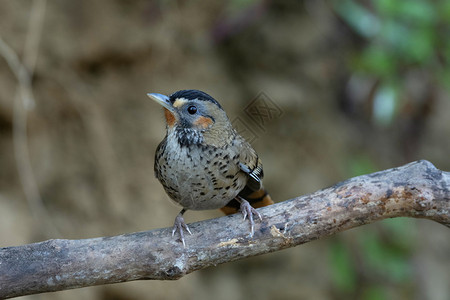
(375, 260)
(360, 165)
(400, 36)
(343, 270)
(387, 257)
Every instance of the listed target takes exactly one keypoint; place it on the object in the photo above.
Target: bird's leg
(248, 211)
(179, 225)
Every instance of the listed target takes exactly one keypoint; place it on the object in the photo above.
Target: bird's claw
(179, 225)
(248, 211)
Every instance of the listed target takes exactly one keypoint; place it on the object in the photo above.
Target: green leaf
(388, 259)
(358, 17)
(376, 61)
(343, 271)
(374, 293)
(360, 165)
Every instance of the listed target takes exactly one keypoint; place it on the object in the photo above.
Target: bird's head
(195, 117)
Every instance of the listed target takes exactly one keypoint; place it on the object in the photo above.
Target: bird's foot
(179, 225)
(248, 211)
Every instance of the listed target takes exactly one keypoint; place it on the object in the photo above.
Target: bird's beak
(162, 100)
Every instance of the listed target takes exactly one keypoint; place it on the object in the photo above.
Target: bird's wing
(253, 192)
(250, 164)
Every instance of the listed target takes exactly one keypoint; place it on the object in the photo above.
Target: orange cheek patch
(203, 122)
(170, 118)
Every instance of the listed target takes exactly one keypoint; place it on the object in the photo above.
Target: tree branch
(416, 190)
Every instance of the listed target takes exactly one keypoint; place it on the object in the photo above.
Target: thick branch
(415, 190)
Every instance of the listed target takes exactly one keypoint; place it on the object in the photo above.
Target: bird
(203, 163)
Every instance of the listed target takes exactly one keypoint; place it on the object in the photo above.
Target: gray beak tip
(157, 96)
(161, 99)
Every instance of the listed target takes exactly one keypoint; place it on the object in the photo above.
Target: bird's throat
(170, 118)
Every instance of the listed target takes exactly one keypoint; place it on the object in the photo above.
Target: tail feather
(256, 199)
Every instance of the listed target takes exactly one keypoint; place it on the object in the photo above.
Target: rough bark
(417, 190)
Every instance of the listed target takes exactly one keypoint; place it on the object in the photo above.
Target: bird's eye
(192, 109)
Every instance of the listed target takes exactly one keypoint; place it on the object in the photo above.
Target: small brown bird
(203, 163)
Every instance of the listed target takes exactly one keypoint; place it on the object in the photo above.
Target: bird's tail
(256, 199)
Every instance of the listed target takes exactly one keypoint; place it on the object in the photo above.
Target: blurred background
(326, 90)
